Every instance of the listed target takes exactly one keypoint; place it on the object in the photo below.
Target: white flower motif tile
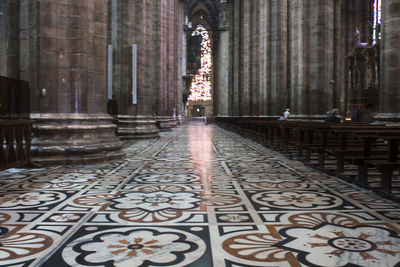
(198, 196)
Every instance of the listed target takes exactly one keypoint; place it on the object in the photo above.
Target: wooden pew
(362, 147)
(385, 160)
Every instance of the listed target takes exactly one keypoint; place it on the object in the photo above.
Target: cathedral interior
(229, 133)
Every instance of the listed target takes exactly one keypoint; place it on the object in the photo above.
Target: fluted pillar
(171, 62)
(279, 68)
(321, 58)
(268, 57)
(5, 32)
(132, 24)
(176, 51)
(63, 51)
(263, 56)
(236, 58)
(245, 64)
(390, 62)
(3, 37)
(160, 64)
(255, 107)
(180, 69)
(168, 63)
(10, 36)
(297, 37)
(224, 60)
(311, 61)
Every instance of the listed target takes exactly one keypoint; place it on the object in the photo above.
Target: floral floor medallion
(336, 245)
(135, 247)
(199, 196)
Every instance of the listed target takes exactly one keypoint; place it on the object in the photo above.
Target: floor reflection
(199, 196)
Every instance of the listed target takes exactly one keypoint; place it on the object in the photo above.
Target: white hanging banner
(134, 74)
(109, 73)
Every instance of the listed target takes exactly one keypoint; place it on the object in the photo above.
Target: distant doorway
(198, 111)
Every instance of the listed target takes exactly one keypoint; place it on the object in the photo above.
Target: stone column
(168, 48)
(348, 26)
(340, 50)
(278, 56)
(269, 66)
(296, 39)
(9, 38)
(4, 35)
(160, 64)
(180, 70)
(329, 58)
(224, 60)
(321, 60)
(236, 58)
(184, 51)
(28, 47)
(312, 57)
(64, 57)
(390, 62)
(133, 24)
(246, 46)
(255, 62)
(263, 55)
(171, 63)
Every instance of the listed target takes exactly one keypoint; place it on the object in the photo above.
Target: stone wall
(296, 54)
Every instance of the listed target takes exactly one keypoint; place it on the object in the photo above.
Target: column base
(166, 123)
(163, 123)
(61, 138)
(136, 127)
(173, 122)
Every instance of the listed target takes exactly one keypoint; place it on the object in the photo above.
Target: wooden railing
(15, 146)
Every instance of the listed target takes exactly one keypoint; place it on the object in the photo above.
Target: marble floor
(198, 196)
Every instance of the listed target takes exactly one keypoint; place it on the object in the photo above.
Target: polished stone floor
(199, 196)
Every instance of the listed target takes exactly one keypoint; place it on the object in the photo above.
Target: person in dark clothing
(334, 117)
(356, 114)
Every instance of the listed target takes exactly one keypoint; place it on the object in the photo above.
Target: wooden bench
(359, 147)
(386, 162)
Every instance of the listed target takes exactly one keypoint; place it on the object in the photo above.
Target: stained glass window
(200, 89)
(376, 34)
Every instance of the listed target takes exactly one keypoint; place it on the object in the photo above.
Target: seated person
(334, 117)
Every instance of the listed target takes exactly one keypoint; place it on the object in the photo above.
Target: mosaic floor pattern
(198, 196)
